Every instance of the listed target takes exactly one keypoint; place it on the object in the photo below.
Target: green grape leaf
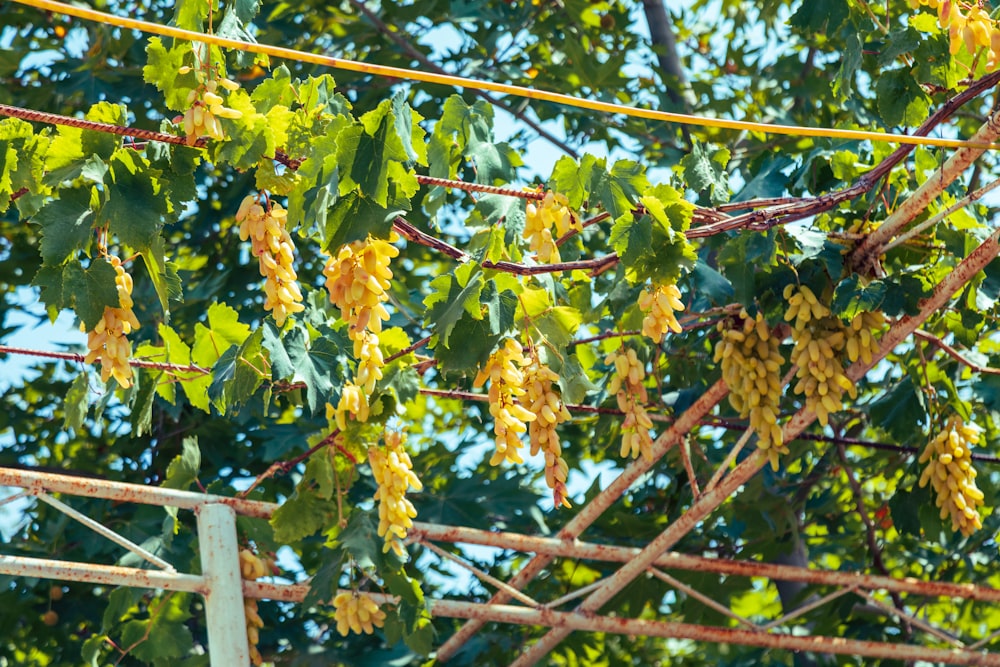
(741, 260)
(184, 468)
(558, 324)
(191, 14)
(164, 635)
(354, 217)
(408, 128)
(854, 295)
(654, 247)
(178, 352)
(103, 144)
(706, 172)
(499, 304)
(360, 539)
(477, 343)
(316, 364)
(573, 380)
(453, 296)
(501, 211)
(319, 181)
(711, 284)
(572, 179)
(238, 374)
(22, 159)
(77, 402)
(176, 165)
(163, 275)
(90, 290)
(901, 101)
(141, 400)
(66, 225)
(366, 152)
(250, 138)
(135, 209)
(161, 69)
(816, 18)
(301, 516)
(224, 330)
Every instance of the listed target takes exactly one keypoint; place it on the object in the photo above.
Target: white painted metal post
(220, 564)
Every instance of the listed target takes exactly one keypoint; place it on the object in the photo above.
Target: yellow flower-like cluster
(253, 567)
(356, 612)
(819, 340)
(353, 402)
(503, 370)
(393, 472)
(540, 398)
(108, 341)
(659, 303)
(207, 107)
(272, 245)
(541, 217)
(973, 28)
(751, 368)
(949, 470)
(861, 343)
(358, 280)
(627, 386)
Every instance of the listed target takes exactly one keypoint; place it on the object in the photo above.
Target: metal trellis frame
(224, 590)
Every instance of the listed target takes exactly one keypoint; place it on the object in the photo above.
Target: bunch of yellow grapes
(751, 368)
(358, 281)
(542, 400)
(861, 343)
(973, 29)
(393, 472)
(272, 245)
(503, 370)
(108, 341)
(627, 386)
(541, 217)
(253, 567)
(819, 339)
(356, 612)
(207, 107)
(949, 470)
(660, 303)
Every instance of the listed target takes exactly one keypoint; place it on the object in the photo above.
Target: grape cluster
(949, 470)
(393, 472)
(540, 399)
(253, 567)
(627, 386)
(659, 303)
(108, 341)
(272, 245)
(751, 369)
(819, 340)
(541, 217)
(353, 402)
(206, 107)
(503, 370)
(358, 280)
(974, 29)
(356, 612)
(860, 342)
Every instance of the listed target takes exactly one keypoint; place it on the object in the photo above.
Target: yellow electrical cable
(503, 88)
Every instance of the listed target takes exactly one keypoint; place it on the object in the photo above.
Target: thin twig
(955, 354)
(873, 547)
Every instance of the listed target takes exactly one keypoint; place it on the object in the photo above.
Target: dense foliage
(466, 358)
